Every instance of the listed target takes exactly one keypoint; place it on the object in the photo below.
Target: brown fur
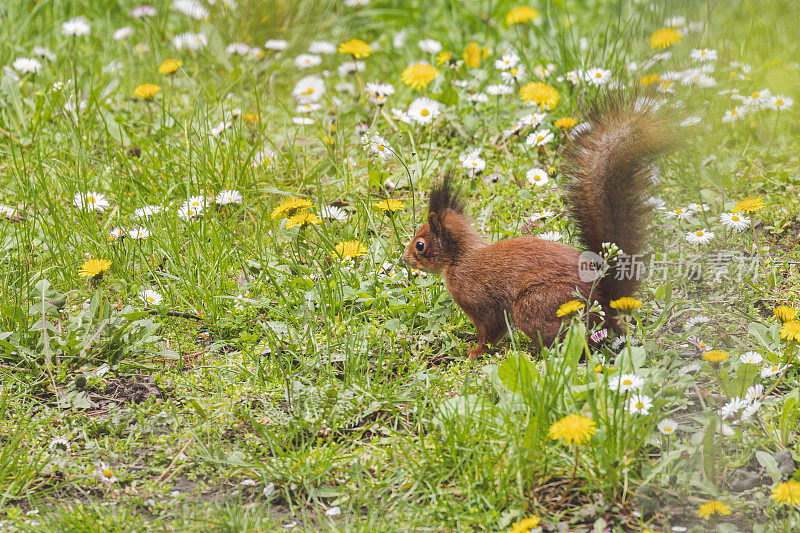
(526, 278)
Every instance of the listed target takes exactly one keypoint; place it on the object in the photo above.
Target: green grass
(277, 383)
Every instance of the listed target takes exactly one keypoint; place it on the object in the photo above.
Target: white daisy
(680, 213)
(780, 102)
(639, 404)
(733, 114)
(598, 76)
(551, 236)
(667, 426)
(538, 215)
(773, 370)
(91, 201)
(754, 392)
(507, 61)
(750, 411)
(733, 406)
(76, 27)
(147, 211)
(690, 121)
(309, 89)
(430, 46)
(499, 89)
(151, 297)
(539, 138)
(140, 12)
(116, 233)
(513, 75)
(473, 162)
(656, 203)
(228, 196)
(701, 236)
(543, 71)
(188, 211)
(537, 177)
(478, 98)
(753, 358)
(688, 369)
(322, 47)
(42, 51)
(734, 221)
(423, 110)
(625, 382)
(695, 321)
(333, 212)
(122, 33)
(264, 157)
(139, 233)
(351, 67)
(27, 65)
(307, 60)
(377, 145)
(703, 54)
(276, 44)
(307, 108)
(237, 49)
(190, 41)
(191, 8)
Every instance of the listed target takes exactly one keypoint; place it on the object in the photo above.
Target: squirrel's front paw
(476, 352)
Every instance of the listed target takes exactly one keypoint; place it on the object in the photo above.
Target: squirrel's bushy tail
(609, 168)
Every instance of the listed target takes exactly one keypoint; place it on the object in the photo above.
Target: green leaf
(744, 378)
(517, 373)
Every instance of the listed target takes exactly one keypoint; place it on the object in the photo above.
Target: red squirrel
(608, 163)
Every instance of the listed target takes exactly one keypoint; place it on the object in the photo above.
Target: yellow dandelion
(302, 219)
(250, 118)
(419, 75)
(390, 205)
(94, 268)
(626, 303)
(290, 206)
(472, 54)
(520, 15)
(565, 123)
(787, 492)
(539, 93)
(356, 48)
(570, 307)
(349, 249)
(664, 38)
(169, 66)
(715, 356)
(709, 508)
(650, 79)
(791, 331)
(146, 91)
(749, 205)
(443, 57)
(785, 313)
(526, 525)
(573, 428)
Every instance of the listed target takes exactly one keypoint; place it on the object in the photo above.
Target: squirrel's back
(609, 164)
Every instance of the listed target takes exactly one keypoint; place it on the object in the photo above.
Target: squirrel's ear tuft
(435, 222)
(444, 197)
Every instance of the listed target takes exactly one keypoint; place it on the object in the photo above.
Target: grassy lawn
(207, 324)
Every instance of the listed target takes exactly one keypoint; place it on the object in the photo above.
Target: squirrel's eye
(420, 246)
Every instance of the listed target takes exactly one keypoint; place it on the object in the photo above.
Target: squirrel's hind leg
(490, 330)
(535, 314)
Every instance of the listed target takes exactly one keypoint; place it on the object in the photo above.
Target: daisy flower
(190, 41)
(139, 233)
(772, 370)
(513, 75)
(537, 177)
(639, 404)
(539, 138)
(754, 392)
(430, 46)
(701, 236)
(351, 67)
(27, 65)
(733, 406)
(753, 358)
(333, 212)
(116, 233)
(695, 321)
(551, 236)
(734, 221)
(733, 114)
(690, 121)
(190, 8)
(750, 411)
(598, 76)
(276, 44)
(499, 89)
(378, 92)
(779, 102)
(680, 213)
(507, 61)
(473, 162)
(237, 49)
(228, 196)
(151, 297)
(377, 145)
(703, 54)
(478, 98)
(59, 445)
(76, 27)
(309, 89)
(307, 61)
(625, 382)
(322, 47)
(423, 110)
(667, 426)
(104, 474)
(143, 11)
(44, 52)
(122, 33)
(91, 201)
